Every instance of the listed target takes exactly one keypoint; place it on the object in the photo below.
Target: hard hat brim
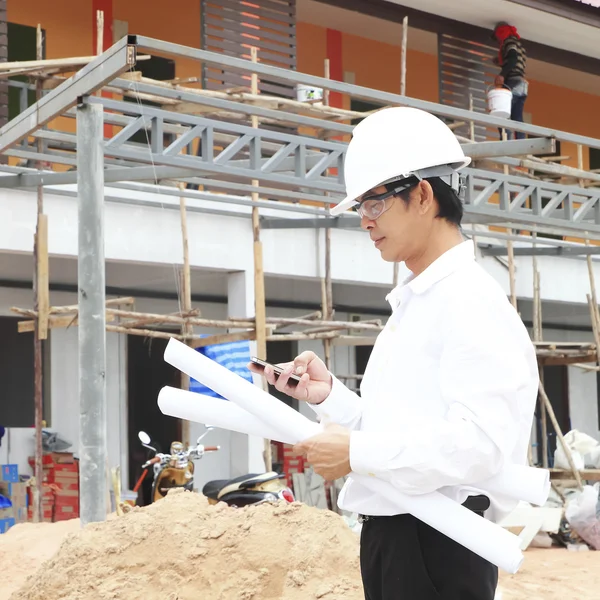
(349, 201)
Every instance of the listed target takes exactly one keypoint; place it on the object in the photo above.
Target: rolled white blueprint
(519, 482)
(515, 481)
(282, 418)
(199, 408)
(482, 537)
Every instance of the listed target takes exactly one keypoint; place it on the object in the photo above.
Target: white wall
(225, 242)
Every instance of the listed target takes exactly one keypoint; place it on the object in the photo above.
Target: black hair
(450, 205)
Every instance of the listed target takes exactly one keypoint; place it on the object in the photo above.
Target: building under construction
(177, 178)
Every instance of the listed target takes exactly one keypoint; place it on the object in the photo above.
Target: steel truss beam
(564, 251)
(494, 198)
(248, 144)
(116, 60)
(357, 91)
(297, 167)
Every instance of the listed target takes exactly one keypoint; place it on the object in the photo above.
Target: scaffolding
(255, 151)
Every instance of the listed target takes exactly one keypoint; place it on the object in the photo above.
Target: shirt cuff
(341, 406)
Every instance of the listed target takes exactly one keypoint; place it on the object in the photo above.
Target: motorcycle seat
(219, 487)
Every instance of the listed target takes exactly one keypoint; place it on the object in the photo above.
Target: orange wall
(69, 32)
(180, 25)
(374, 64)
(68, 24)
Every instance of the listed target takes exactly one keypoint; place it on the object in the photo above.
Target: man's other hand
(328, 452)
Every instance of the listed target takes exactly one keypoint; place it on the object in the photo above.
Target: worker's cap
(499, 24)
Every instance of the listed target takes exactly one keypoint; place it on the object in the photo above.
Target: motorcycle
(176, 470)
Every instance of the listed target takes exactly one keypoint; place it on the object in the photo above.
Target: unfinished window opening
(17, 402)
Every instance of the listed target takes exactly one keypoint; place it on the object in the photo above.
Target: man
(513, 60)
(449, 392)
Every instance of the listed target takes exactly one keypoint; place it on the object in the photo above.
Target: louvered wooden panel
(232, 27)
(466, 69)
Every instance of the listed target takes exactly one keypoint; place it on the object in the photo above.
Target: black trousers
(402, 558)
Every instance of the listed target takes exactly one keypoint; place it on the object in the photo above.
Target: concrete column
(246, 451)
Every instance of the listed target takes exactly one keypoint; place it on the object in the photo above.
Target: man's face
(403, 230)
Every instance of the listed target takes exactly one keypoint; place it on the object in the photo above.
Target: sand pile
(182, 548)
(554, 574)
(25, 547)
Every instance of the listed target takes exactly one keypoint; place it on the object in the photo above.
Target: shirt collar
(445, 265)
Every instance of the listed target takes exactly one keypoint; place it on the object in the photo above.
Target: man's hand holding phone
(306, 378)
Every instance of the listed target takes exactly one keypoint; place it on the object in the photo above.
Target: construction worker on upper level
(512, 59)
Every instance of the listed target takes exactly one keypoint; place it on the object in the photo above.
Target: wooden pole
(595, 325)
(186, 292)
(537, 337)
(511, 254)
(402, 93)
(544, 419)
(580, 163)
(259, 274)
(99, 31)
(560, 437)
(593, 303)
(41, 305)
(471, 123)
(326, 283)
(403, 57)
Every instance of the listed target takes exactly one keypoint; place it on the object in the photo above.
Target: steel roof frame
(287, 166)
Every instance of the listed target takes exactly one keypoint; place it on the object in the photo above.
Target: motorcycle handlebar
(212, 448)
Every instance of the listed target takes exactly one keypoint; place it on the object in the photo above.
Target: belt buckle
(363, 518)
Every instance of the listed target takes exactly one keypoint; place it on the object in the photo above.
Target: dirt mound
(25, 547)
(182, 547)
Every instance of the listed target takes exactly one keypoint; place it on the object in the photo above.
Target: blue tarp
(234, 356)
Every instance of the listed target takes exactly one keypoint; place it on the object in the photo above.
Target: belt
(478, 504)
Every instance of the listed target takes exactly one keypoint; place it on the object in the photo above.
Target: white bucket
(308, 93)
(499, 102)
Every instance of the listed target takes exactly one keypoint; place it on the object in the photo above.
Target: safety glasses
(373, 206)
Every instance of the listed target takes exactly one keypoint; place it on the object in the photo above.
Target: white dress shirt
(449, 392)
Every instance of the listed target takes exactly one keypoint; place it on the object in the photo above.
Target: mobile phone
(293, 380)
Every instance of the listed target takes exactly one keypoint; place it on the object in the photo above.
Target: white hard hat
(395, 143)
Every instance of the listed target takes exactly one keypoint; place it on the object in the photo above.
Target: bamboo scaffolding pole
(99, 32)
(121, 301)
(396, 268)
(41, 65)
(559, 435)
(326, 283)
(236, 322)
(403, 58)
(592, 300)
(595, 324)
(41, 305)
(149, 333)
(544, 421)
(537, 337)
(310, 316)
(186, 292)
(55, 322)
(580, 163)
(511, 254)
(260, 307)
(177, 320)
(145, 322)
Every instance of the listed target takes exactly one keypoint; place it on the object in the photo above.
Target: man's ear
(425, 197)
